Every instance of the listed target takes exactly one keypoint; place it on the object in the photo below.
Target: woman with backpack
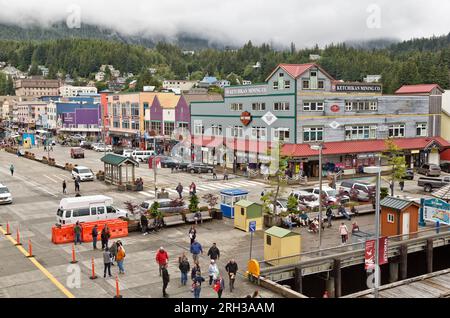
(120, 257)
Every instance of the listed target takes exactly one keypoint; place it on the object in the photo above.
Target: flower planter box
(131, 187)
(121, 187)
(133, 226)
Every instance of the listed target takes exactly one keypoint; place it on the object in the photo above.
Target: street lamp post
(319, 147)
(376, 170)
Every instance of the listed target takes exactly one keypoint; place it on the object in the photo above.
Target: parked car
(169, 162)
(361, 191)
(409, 175)
(5, 195)
(306, 199)
(76, 153)
(84, 173)
(165, 206)
(445, 167)
(429, 184)
(87, 209)
(200, 168)
(86, 145)
(78, 137)
(103, 148)
(331, 194)
(430, 170)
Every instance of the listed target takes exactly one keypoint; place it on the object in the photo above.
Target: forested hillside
(411, 62)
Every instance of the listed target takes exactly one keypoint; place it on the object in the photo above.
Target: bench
(362, 209)
(173, 220)
(190, 218)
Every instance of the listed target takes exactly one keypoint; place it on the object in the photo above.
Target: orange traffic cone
(18, 237)
(93, 270)
(74, 261)
(118, 295)
(30, 249)
(8, 230)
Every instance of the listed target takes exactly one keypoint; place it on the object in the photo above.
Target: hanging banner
(154, 162)
(369, 257)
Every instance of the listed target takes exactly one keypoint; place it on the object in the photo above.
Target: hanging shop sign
(246, 118)
(363, 88)
(335, 108)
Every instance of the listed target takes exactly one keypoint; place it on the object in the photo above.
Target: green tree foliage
(417, 61)
(6, 85)
(193, 203)
(292, 204)
(396, 160)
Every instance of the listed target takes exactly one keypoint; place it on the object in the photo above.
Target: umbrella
(443, 193)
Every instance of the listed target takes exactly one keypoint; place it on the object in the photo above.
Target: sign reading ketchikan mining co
(362, 88)
(243, 91)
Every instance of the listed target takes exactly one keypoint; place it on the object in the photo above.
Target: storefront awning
(362, 146)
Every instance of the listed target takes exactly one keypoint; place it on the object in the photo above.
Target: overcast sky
(303, 22)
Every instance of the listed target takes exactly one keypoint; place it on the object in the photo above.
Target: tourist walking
(11, 168)
(402, 185)
(64, 186)
(77, 232)
(231, 269)
(343, 231)
(166, 280)
(120, 257)
(329, 215)
(196, 268)
(192, 234)
(105, 235)
(162, 258)
(184, 266)
(197, 285)
(94, 236)
(107, 262)
(144, 224)
(213, 272)
(179, 189)
(219, 286)
(196, 250)
(192, 189)
(113, 251)
(77, 185)
(214, 252)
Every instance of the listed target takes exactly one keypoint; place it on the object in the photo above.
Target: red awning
(361, 146)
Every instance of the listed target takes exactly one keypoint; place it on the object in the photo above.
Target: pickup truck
(429, 184)
(332, 195)
(77, 152)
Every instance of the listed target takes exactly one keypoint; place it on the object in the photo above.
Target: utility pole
(320, 198)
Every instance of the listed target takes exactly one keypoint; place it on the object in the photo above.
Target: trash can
(217, 215)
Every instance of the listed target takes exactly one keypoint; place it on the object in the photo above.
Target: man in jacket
(196, 249)
(144, 224)
(107, 262)
(213, 272)
(231, 269)
(77, 232)
(184, 267)
(166, 279)
(105, 237)
(214, 252)
(162, 259)
(179, 189)
(329, 215)
(197, 285)
(94, 236)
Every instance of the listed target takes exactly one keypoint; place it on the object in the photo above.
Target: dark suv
(445, 167)
(430, 170)
(200, 168)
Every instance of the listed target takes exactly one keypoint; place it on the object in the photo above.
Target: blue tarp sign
(435, 210)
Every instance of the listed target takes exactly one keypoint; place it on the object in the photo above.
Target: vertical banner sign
(383, 251)
(157, 162)
(369, 257)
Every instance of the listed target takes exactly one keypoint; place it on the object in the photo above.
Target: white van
(87, 209)
(142, 155)
(84, 173)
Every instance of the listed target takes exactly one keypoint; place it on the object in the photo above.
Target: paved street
(36, 189)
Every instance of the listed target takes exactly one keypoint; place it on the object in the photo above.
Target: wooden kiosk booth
(245, 212)
(399, 217)
(119, 170)
(280, 246)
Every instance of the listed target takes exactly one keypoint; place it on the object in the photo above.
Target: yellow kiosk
(279, 243)
(245, 212)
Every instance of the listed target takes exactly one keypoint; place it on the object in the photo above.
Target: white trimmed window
(312, 134)
(237, 131)
(199, 129)
(259, 132)
(275, 85)
(258, 106)
(397, 130)
(281, 106)
(282, 134)
(313, 106)
(390, 218)
(236, 106)
(216, 130)
(360, 132)
(287, 84)
(361, 105)
(422, 129)
(305, 84)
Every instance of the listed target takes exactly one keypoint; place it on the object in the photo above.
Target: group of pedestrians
(115, 252)
(216, 281)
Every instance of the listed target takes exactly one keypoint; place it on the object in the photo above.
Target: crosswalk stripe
(171, 191)
(207, 187)
(186, 190)
(257, 183)
(129, 196)
(147, 194)
(58, 177)
(53, 180)
(242, 184)
(214, 186)
(203, 188)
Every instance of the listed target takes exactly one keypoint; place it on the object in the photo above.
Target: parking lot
(37, 190)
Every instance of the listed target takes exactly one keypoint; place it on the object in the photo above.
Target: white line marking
(147, 194)
(257, 183)
(53, 180)
(58, 177)
(129, 196)
(208, 187)
(171, 191)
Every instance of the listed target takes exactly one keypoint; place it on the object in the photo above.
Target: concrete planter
(121, 187)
